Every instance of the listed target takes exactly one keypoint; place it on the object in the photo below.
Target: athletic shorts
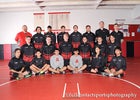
(66, 62)
(48, 62)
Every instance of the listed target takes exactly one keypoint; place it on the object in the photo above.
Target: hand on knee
(93, 71)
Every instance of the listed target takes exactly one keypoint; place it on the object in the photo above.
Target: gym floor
(85, 86)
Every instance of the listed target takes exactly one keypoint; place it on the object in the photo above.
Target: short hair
(28, 37)
(75, 26)
(88, 26)
(57, 49)
(116, 24)
(100, 37)
(63, 26)
(84, 37)
(101, 22)
(17, 50)
(37, 50)
(118, 48)
(112, 35)
(24, 26)
(48, 37)
(66, 34)
(38, 27)
(97, 47)
(75, 49)
(49, 27)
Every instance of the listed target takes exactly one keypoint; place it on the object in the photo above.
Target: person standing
(90, 36)
(118, 34)
(38, 39)
(60, 35)
(75, 37)
(102, 32)
(50, 34)
(20, 37)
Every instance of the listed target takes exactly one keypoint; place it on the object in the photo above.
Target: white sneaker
(111, 75)
(104, 74)
(119, 76)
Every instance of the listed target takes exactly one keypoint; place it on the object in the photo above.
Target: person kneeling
(17, 66)
(117, 65)
(38, 64)
(57, 63)
(76, 63)
(97, 61)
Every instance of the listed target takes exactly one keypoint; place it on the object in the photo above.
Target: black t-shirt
(38, 62)
(16, 64)
(118, 63)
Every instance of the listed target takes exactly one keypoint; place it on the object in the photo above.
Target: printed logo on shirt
(119, 60)
(100, 57)
(109, 46)
(76, 61)
(73, 35)
(114, 60)
(21, 61)
(36, 61)
(16, 62)
(57, 59)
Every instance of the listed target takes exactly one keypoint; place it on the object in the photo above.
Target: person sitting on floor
(76, 62)
(98, 61)
(57, 63)
(17, 66)
(38, 64)
(117, 64)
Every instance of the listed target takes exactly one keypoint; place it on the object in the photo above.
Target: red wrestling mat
(70, 87)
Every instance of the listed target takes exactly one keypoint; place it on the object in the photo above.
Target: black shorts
(48, 62)
(14, 75)
(27, 66)
(39, 66)
(100, 69)
(86, 61)
(66, 62)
